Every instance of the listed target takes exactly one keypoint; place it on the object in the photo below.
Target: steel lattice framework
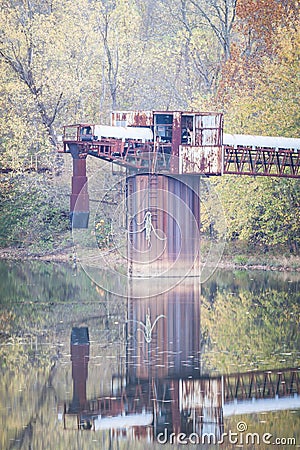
(261, 161)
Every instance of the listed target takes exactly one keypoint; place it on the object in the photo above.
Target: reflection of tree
(25, 436)
(39, 307)
(244, 330)
(39, 301)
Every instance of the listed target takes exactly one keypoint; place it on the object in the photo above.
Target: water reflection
(162, 388)
(185, 361)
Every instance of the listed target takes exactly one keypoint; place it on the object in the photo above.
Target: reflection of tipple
(164, 332)
(80, 350)
(167, 395)
(170, 395)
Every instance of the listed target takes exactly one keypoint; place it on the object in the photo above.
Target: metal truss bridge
(182, 143)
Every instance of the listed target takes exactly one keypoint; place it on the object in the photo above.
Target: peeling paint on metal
(200, 160)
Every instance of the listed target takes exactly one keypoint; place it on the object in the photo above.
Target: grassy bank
(34, 224)
(235, 256)
(239, 255)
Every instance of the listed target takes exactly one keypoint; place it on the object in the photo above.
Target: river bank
(229, 260)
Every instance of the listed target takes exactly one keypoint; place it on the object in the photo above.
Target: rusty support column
(164, 225)
(176, 141)
(79, 201)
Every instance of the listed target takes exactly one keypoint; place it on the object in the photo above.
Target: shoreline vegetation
(261, 216)
(231, 259)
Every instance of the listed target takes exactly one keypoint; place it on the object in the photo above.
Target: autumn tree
(259, 83)
(47, 59)
(66, 62)
(28, 28)
(200, 38)
(219, 16)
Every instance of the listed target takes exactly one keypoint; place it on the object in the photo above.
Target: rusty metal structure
(261, 156)
(163, 225)
(163, 389)
(180, 143)
(172, 143)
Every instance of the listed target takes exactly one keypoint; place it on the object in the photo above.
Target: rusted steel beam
(262, 162)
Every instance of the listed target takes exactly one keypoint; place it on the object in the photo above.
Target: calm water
(84, 369)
